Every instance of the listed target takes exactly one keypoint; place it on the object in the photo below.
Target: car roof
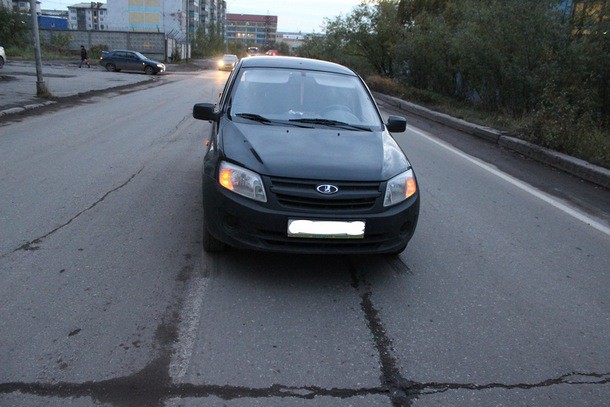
(295, 63)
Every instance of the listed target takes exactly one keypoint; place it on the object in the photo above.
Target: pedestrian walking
(84, 58)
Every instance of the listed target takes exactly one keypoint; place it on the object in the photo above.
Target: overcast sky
(293, 15)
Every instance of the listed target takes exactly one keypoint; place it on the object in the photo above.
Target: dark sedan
(125, 60)
(300, 160)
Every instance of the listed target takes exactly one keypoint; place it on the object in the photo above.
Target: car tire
(210, 243)
(111, 68)
(1, 62)
(148, 70)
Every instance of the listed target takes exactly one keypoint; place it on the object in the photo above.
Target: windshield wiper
(264, 120)
(255, 117)
(332, 123)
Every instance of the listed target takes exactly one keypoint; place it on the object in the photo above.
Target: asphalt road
(106, 297)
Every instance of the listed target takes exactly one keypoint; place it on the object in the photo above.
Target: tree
(364, 39)
(208, 42)
(14, 28)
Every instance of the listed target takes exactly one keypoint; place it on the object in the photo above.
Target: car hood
(313, 153)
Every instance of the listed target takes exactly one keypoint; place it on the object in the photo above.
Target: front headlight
(242, 181)
(400, 188)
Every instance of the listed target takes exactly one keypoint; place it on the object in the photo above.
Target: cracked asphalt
(153, 385)
(107, 298)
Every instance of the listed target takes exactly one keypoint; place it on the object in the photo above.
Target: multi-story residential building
(23, 6)
(192, 7)
(175, 18)
(251, 29)
(90, 16)
(213, 14)
(167, 16)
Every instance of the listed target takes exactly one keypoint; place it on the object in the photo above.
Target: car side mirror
(396, 124)
(205, 111)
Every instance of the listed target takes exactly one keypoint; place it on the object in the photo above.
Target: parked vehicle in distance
(253, 51)
(299, 160)
(271, 52)
(126, 60)
(227, 62)
(2, 57)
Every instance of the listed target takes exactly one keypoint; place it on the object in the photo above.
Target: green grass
(27, 53)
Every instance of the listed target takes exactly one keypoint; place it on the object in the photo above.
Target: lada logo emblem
(327, 189)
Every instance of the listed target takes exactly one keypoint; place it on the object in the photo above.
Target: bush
(384, 85)
(389, 87)
(96, 51)
(563, 125)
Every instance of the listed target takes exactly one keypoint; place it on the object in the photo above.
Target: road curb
(20, 109)
(577, 167)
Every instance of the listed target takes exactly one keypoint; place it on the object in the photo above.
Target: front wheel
(149, 70)
(111, 67)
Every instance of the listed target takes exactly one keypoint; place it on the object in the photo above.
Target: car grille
(302, 194)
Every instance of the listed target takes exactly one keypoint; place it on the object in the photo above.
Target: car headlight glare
(400, 188)
(242, 181)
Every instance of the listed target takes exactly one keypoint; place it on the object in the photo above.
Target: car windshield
(318, 98)
(139, 55)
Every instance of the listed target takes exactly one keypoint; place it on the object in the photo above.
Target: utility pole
(188, 29)
(41, 87)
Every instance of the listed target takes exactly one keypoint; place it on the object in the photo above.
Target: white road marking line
(518, 183)
(187, 330)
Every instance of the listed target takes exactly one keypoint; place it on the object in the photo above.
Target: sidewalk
(63, 79)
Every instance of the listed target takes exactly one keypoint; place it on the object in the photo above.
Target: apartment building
(91, 16)
(251, 29)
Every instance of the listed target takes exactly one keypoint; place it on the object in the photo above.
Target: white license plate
(326, 229)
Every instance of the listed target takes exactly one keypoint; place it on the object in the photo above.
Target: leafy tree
(208, 42)
(364, 39)
(14, 28)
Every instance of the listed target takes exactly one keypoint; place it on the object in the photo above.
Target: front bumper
(247, 224)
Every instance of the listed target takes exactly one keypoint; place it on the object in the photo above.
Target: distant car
(300, 160)
(2, 57)
(126, 60)
(271, 52)
(253, 51)
(227, 62)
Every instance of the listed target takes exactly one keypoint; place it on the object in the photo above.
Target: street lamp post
(41, 87)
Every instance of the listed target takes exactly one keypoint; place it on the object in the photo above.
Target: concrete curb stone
(580, 168)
